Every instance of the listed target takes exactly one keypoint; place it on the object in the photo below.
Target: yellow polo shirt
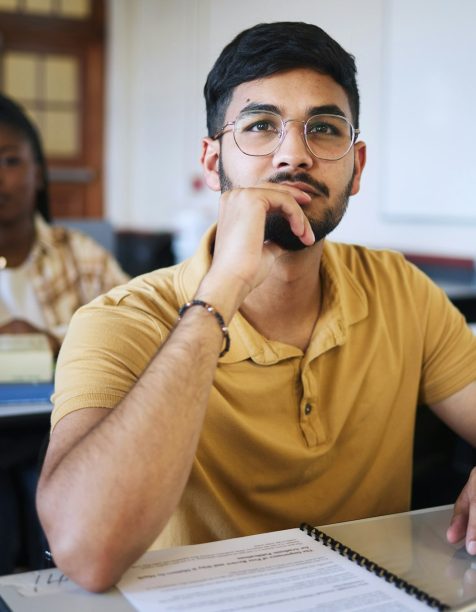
(322, 436)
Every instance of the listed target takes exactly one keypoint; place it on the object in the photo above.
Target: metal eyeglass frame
(354, 136)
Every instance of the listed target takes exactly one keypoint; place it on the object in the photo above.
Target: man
(303, 408)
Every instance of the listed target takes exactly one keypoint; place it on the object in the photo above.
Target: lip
(302, 186)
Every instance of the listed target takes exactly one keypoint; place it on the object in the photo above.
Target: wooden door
(52, 62)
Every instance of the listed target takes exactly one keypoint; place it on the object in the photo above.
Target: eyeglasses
(259, 133)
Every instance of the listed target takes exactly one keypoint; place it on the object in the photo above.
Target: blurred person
(46, 273)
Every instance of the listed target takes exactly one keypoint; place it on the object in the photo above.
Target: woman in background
(46, 273)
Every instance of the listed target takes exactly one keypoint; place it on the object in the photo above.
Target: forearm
(458, 412)
(130, 470)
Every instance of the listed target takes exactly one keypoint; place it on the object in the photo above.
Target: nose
(293, 151)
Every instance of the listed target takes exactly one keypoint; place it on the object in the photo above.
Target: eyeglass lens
(259, 133)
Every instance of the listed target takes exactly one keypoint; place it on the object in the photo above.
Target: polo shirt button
(307, 409)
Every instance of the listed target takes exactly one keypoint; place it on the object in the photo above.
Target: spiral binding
(373, 567)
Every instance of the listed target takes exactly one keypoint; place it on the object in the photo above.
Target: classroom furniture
(136, 251)
(100, 230)
(413, 545)
(25, 400)
(141, 252)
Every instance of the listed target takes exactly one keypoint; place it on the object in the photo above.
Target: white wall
(160, 52)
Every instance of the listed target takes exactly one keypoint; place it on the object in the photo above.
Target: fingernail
(471, 547)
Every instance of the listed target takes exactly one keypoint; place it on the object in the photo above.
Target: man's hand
(242, 260)
(463, 521)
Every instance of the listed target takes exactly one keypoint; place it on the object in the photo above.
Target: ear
(209, 160)
(360, 157)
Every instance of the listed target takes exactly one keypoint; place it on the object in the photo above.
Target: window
(52, 62)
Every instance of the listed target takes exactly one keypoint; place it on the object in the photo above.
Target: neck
(286, 306)
(16, 240)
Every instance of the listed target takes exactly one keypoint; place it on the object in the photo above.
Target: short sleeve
(108, 345)
(449, 355)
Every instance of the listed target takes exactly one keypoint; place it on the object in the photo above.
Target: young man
(304, 407)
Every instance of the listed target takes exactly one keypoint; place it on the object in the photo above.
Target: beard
(277, 228)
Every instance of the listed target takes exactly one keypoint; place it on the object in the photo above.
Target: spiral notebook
(374, 568)
(280, 571)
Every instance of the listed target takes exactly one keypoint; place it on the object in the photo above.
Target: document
(33, 584)
(25, 358)
(282, 571)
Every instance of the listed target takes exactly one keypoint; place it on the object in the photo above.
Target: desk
(411, 544)
(25, 400)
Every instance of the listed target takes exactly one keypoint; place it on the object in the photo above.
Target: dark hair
(268, 48)
(13, 116)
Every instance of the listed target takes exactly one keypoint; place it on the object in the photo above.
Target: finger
(457, 529)
(471, 526)
(278, 200)
(301, 197)
(241, 207)
(299, 224)
(298, 195)
(469, 506)
(463, 522)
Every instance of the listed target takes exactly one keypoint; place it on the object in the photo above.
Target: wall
(160, 52)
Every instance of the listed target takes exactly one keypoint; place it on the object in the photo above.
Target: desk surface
(25, 399)
(412, 545)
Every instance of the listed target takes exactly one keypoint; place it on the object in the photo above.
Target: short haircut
(13, 116)
(268, 48)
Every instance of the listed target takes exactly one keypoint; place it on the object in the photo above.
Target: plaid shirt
(68, 270)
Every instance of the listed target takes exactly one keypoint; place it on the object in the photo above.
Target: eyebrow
(255, 106)
(325, 109)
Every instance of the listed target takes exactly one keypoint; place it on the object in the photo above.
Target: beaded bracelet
(215, 313)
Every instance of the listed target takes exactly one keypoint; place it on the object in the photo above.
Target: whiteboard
(429, 120)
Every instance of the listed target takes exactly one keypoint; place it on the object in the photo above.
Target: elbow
(92, 574)
(87, 561)
(80, 553)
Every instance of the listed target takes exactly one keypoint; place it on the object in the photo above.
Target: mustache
(301, 177)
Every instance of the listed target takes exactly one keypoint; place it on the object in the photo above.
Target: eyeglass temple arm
(222, 130)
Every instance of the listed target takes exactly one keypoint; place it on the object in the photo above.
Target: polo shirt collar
(344, 304)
